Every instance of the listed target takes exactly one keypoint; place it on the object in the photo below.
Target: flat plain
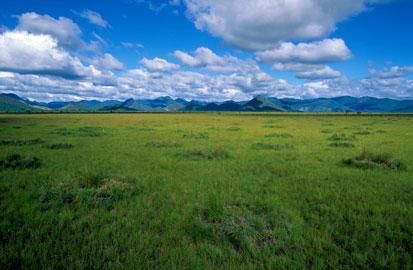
(206, 191)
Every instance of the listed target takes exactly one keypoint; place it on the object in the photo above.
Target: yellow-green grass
(207, 191)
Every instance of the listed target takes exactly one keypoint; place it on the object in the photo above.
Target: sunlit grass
(206, 191)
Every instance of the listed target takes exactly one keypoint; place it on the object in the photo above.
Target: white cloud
(107, 62)
(142, 83)
(203, 57)
(399, 87)
(62, 29)
(132, 45)
(158, 65)
(26, 53)
(207, 59)
(308, 71)
(392, 72)
(307, 60)
(260, 24)
(94, 18)
(327, 50)
(186, 59)
(37, 63)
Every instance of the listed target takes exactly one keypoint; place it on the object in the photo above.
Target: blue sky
(206, 49)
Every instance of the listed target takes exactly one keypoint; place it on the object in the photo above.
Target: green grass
(206, 191)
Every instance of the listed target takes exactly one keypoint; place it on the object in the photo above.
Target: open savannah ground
(206, 191)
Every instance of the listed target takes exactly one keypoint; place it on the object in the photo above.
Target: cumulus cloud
(391, 72)
(142, 83)
(374, 85)
(208, 60)
(308, 71)
(26, 53)
(269, 22)
(307, 60)
(107, 62)
(94, 18)
(327, 50)
(158, 65)
(36, 62)
(64, 30)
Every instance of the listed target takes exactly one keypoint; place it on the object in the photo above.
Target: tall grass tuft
(17, 161)
(369, 160)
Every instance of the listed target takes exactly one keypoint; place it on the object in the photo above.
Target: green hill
(13, 103)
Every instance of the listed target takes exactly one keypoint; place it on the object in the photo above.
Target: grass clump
(14, 142)
(146, 129)
(17, 161)
(340, 137)
(363, 132)
(215, 154)
(326, 131)
(192, 135)
(272, 126)
(81, 131)
(88, 190)
(270, 146)
(327, 124)
(369, 160)
(342, 144)
(156, 144)
(233, 129)
(56, 146)
(247, 230)
(278, 135)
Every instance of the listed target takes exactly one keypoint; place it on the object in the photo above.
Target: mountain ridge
(10, 102)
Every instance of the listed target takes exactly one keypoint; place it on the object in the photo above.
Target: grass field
(206, 191)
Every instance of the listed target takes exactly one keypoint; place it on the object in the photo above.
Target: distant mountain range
(14, 103)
